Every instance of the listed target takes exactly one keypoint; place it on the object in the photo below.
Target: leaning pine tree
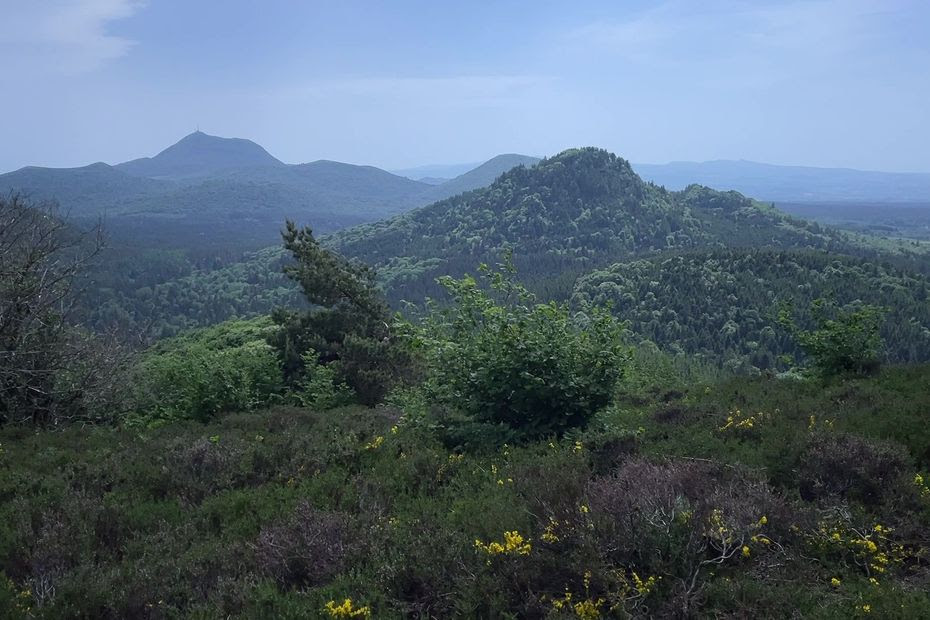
(346, 331)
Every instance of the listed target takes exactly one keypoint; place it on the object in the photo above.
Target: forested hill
(579, 210)
(199, 154)
(722, 304)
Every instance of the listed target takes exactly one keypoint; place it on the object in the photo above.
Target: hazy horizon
(826, 83)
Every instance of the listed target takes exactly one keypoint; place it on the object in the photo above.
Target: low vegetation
(750, 496)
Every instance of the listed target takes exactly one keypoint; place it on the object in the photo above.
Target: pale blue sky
(399, 84)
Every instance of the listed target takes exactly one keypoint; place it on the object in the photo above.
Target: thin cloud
(686, 32)
(62, 36)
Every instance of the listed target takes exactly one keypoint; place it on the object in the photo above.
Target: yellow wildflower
(835, 582)
(513, 544)
(347, 610)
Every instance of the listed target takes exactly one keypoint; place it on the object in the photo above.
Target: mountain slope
(482, 176)
(86, 191)
(571, 213)
(791, 183)
(200, 154)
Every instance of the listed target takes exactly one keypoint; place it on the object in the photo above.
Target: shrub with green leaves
(197, 375)
(845, 340)
(501, 358)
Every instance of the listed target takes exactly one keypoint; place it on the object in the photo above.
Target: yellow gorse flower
(549, 534)
(737, 420)
(512, 544)
(347, 610)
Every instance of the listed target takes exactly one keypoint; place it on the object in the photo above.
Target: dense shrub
(682, 519)
(197, 375)
(277, 513)
(307, 549)
(844, 465)
(501, 358)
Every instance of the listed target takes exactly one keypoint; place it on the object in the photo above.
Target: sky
(834, 83)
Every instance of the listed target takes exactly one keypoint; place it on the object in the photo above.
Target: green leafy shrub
(845, 340)
(503, 359)
(322, 388)
(229, 367)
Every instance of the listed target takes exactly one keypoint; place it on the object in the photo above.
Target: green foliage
(501, 358)
(347, 325)
(721, 306)
(844, 341)
(199, 374)
(163, 292)
(321, 389)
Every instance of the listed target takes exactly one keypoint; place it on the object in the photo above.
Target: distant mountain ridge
(199, 154)
(205, 185)
(770, 182)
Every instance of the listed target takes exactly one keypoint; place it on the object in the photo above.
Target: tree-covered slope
(723, 304)
(160, 294)
(91, 190)
(573, 212)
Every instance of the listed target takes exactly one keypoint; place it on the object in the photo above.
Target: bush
(306, 550)
(205, 372)
(852, 467)
(501, 358)
(849, 342)
(686, 519)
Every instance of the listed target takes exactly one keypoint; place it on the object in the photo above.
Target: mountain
(86, 191)
(571, 213)
(791, 183)
(200, 154)
(483, 175)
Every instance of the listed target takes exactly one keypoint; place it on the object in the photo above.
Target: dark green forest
(723, 305)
